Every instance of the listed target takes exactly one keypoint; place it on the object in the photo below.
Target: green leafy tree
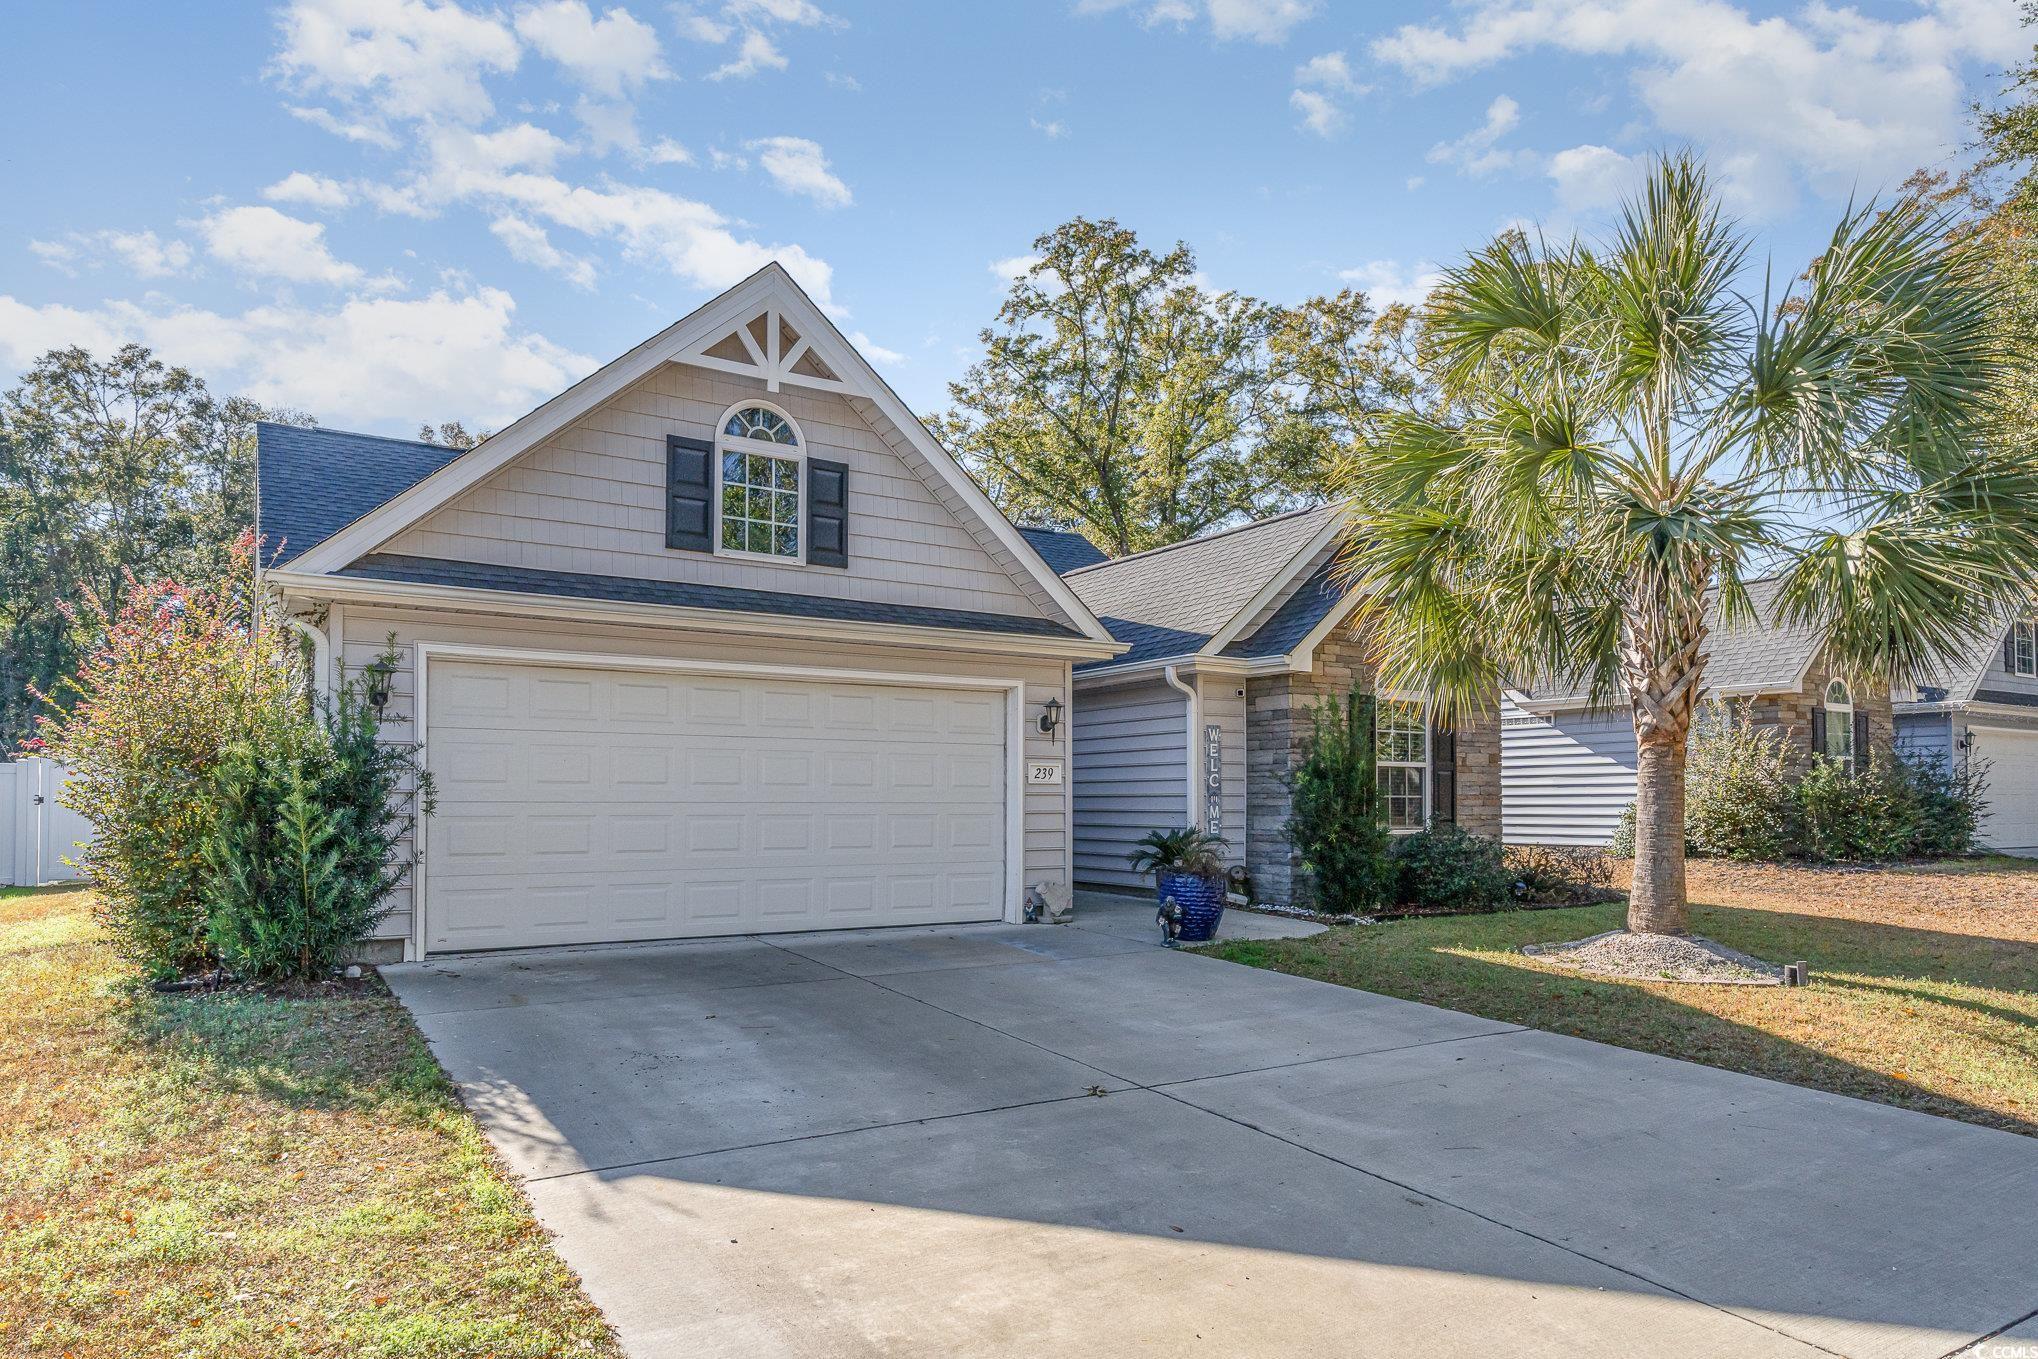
(1635, 428)
(1119, 396)
(1337, 824)
(109, 470)
(1342, 366)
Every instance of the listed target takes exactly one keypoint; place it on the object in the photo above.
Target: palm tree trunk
(1656, 900)
(1663, 659)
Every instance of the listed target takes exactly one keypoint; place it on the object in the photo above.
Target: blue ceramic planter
(1199, 901)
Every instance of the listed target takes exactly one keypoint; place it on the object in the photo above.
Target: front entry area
(582, 805)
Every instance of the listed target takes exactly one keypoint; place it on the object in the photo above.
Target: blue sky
(387, 211)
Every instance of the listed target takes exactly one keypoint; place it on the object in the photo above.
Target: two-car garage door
(2011, 824)
(579, 805)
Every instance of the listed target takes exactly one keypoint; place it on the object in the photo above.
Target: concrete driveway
(1038, 1140)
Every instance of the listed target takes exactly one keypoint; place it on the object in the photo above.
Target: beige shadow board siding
(1130, 774)
(368, 630)
(591, 499)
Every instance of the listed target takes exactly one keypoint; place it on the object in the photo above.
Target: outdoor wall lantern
(1050, 716)
(380, 672)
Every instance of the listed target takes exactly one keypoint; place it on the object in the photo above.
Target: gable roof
(1064, 550)
(820, 357)
(1175, 600)
(311, 483)
(1760, 656)
(1286, 627)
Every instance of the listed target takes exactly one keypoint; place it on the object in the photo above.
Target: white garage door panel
(2012, 794)
(580, 806)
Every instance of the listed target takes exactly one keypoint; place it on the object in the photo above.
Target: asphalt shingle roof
(1301, 611)
(1064, 550)
(1171, 600)
(679, 594)
(311, 483)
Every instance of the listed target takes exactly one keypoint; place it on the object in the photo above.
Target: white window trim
(1841, 709)
(2024, 648)
(1428, 766)
(797, 453)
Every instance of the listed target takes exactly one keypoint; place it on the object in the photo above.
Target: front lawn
(246, 1175)
(1924, 994)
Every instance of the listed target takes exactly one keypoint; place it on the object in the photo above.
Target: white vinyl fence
(36, 835)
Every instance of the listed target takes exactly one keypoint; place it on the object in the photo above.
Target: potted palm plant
(1189, 877)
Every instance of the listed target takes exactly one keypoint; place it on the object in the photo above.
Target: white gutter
(321, 657)
(1195, 767)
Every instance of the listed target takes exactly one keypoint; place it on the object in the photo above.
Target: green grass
(1927, 1019)
(244, 1175)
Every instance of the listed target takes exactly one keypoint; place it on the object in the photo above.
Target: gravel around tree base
(1659, 957)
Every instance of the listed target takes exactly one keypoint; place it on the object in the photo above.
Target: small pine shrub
(1446, 868)
(303, 855)
(1336, 823)
(1622, 846)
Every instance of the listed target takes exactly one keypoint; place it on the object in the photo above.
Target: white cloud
(1321, 85)
(799, 166)
(1478, 152)
(874, 351)
(1264, 21)
(1828, 98)
(143, 253)
(755, 53)
(1054, 129)
(353, 130)
(610, 55)
(1590, 177)
(529, 244)
(449, 354)
(313, 191)
(264, 243)
(1387, 282)
(1014, 267)
(401, 59)
(666, 151)
(522, 146)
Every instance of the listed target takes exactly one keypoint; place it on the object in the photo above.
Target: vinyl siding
(1565, 778)
(1998, 677)
(1130, 775)
(365, 632)
(591, 499)
(1925, 739)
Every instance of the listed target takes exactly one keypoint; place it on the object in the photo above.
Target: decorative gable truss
(767, 346)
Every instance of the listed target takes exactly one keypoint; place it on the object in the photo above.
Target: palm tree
(1622, 435)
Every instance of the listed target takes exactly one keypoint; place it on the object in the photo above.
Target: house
(717, 641)
(1568, 766)
(1231, 638)
(1984, 707)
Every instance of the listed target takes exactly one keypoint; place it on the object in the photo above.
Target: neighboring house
(1233, 637)
(1984, 706)
(1568, 768)
(717, 641)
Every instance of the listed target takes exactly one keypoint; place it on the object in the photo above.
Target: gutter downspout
(1194, 769)
(321, 657)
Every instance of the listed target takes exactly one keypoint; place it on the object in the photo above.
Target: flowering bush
(179, 673)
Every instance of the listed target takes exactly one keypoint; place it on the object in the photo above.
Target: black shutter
(689, 494)
(1443, 771)
(827, 513)
(1818, 731)
(1861, 739)
(2010, 648)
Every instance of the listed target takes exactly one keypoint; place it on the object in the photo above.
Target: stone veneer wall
(1793, 712)
(1277, 727)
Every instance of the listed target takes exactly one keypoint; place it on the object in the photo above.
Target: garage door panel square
(852, 832)
(793, 832)
(849, 773)
(715, 704)
(642, 766)
(473, 837)
(787, 898)
(553, 765)
(713, 903)
(643, 700)
(552, 835)
(472, 767)
(785, 769)
(853, 713)
(633, 905)
(639, 835)
(562, 696)
(715, 768)
(786, 708)
(714, 834)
